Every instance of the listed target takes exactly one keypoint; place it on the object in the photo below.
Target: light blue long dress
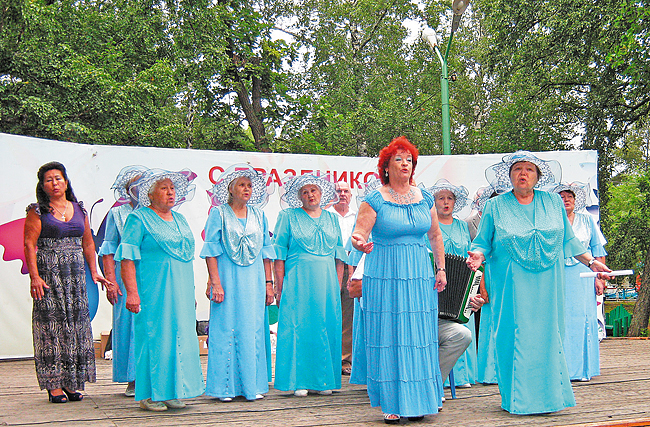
(401, 310)
(237, 362)
(359, 372)
(457, 241)
(308, 353)
(486, 352)
(166, 346)
(581, 337)
(123, 347)
(525, 247)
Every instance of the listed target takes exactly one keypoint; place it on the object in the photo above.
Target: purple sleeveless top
(54, 228)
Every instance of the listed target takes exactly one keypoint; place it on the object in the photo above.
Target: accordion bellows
(462, 285)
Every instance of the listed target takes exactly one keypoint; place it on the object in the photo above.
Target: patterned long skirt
(64, 354)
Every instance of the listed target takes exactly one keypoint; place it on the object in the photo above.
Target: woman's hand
(112, 290)
(37, 288)
(602, 269)
(600, 286)
(441, 280)
(215, 291)
(278, 295)
(133, 302)
(475, 259)
(360, 243)
(269, 294)
(355, 288)
(112, 293)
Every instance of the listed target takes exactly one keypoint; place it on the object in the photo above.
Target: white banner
(92, 170)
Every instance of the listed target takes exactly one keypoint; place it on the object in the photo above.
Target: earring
(386, 173)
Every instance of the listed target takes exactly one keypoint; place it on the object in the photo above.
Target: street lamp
(429, 36)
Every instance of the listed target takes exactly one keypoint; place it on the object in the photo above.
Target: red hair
(397, 144)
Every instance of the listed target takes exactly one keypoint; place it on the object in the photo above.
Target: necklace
(64, 210)
(402, 200)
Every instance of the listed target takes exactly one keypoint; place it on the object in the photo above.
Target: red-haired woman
(400, 289)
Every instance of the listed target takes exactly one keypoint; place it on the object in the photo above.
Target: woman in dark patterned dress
(57, 239)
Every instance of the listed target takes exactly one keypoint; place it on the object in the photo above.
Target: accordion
(462, 285)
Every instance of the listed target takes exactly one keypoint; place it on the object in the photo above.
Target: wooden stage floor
(620, 396)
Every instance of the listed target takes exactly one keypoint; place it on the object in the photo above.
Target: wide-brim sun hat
(460, 192)
(220, 193)
(127, 177)
(368, 187)
(579, 191)
(182, 181)
(551, 169)
(484, 194)
(292, 188)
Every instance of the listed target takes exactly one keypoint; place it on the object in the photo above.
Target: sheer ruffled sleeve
(213, 246)
(34, 206)
(428, 198)
(375, 200)
(134, 232)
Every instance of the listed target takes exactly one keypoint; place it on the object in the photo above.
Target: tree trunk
(642, 307)
(255, 123)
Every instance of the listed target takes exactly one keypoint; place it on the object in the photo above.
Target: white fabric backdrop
(93, 168)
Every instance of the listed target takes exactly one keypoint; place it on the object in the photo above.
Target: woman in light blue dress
(122, 334)
(238, 254)
(156, 253)
(400, 289)
(581, 321)
(524, 236)
(308, 274)
(455, 235)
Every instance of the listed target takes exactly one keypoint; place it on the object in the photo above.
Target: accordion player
(462, 286)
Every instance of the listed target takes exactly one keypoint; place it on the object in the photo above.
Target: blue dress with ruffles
(401, 310)
(581, 314)
(123, 332)
(525, 247)
(237, 350)
(308, 354)
(166, 348)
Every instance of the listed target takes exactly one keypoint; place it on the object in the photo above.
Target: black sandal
(420, 418)
(389, 418)
(74, 396)
(61, 398)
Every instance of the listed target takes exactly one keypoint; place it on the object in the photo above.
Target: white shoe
(257, 397)
(174, 404)
(325, 392)
(226, 399)
(149, 405)
(130, 390)
(466, 385)
(300, 393)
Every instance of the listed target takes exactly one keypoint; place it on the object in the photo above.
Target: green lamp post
(430, 37)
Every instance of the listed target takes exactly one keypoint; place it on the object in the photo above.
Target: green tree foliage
(630, 238)
(93, 73)
(574, 67)
(363, 82)
(172, 74)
